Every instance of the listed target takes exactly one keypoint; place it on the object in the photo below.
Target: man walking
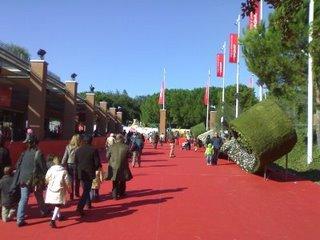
(87, 162)
(118, 169)
(30, 175)
(216, 143)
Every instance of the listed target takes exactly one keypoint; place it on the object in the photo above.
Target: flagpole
(238, 68)
(224, 70)
(261, 18)
(164, 86)
(208, 103)
(223, 80)
(310, 86)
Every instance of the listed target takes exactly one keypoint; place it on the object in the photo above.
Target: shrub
(264, 131)
(198, 129)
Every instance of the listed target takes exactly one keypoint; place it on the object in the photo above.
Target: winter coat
(6, 199)
(5, 159)
(69, 154)
(33, 168)
(87, 162)
(118, 169)
(58, 184)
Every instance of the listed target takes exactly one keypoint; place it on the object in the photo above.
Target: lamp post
(41, 53)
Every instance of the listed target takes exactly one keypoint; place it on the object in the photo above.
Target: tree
(278, 54)
(185, 108)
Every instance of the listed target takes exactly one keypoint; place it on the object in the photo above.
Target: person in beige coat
(58, 183)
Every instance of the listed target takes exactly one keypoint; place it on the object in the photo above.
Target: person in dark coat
(118, 169)
(5, 159)
(216, 143)
(8, 202)
(87, 163)
(31, 171)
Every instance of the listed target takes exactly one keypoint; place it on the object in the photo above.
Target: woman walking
(69, 163)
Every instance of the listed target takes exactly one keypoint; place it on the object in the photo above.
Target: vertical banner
(5, 96)
(162, 94)
(220, 67)
(206, 95)
(233, 48)
(254, 18)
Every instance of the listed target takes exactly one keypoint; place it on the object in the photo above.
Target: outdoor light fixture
(73, 76)
(91, 88)
(41, 53)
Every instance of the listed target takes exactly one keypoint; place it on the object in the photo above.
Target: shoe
(80, 212)
(53, 224)
(21, 224)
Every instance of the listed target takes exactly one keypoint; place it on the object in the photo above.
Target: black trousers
(215, 156)
(118, 188)
(75, 183)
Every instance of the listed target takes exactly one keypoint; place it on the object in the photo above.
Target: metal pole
(164, 87)
(310, 86)
(260, 93)
(224, 71)
(238, 69)
(261, 18)
(208, 103)
(223, 79)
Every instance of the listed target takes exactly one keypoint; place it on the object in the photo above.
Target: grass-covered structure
(262, 134)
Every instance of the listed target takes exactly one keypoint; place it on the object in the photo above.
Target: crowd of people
(79, 166)
(58, 177)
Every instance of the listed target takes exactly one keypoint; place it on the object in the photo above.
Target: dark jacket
(5, 183)
(118, 169)
(5, 159)
(33, 168)
(87, 162)
(217, 142)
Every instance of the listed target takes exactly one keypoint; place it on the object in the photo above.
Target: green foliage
(185, 108)
(129, 106)
(278, 54)
(18, 51)
(266, 131)
(198, 129)
(297, 159)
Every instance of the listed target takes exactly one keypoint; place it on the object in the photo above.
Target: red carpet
(182, 198)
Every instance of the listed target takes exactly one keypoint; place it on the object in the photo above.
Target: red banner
(233, 48)
(220, 67)
(162, 94)
(206, 96)
(5, 96)
(254, 18)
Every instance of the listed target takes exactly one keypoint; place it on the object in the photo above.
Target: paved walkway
(182, 198)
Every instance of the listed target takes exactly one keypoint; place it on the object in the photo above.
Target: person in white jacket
(58, 183)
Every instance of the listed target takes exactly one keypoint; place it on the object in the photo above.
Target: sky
(118, 44)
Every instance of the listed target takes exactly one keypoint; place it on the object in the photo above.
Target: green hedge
(266, 132)
(198, 129)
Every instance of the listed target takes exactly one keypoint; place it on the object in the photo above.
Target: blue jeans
(25, 193)
(85, 198)
(209, 159)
